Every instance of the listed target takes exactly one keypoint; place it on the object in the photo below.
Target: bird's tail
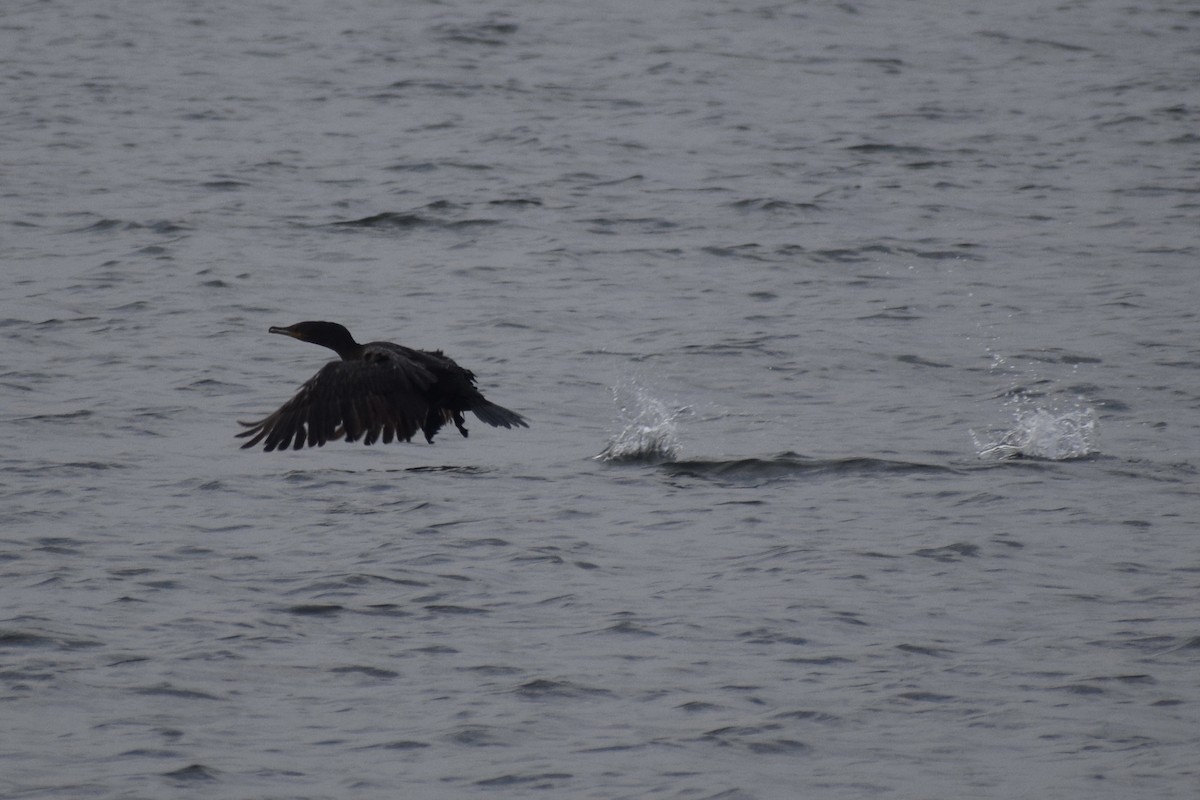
(497, 416)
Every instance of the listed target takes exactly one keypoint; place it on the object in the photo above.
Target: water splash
(648, 426)
(1042, 433)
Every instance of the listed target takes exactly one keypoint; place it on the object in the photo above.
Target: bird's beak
(284, 331)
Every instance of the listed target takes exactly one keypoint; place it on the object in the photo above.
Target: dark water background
(803, 272)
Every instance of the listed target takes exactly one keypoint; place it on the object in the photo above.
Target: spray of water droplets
(649, 430)
(1038, 430)
(1041, 433)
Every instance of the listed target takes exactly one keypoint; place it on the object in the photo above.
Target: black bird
(377, 390)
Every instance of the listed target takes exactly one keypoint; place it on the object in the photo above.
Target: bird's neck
(353, 351)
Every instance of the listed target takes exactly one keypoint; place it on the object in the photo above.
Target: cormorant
(377, 390)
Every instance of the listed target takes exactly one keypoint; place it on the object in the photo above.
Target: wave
(155, 226)
(397, 220)
(794, 465)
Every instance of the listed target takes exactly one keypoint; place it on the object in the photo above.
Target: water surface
(881, 318)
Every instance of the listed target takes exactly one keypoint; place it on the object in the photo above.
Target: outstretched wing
(368, 399)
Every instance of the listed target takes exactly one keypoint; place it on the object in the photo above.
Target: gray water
(881, 318)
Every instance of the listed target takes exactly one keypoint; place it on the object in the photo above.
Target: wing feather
(382, 395)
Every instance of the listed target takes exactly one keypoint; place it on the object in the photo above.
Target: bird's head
(326, 334)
